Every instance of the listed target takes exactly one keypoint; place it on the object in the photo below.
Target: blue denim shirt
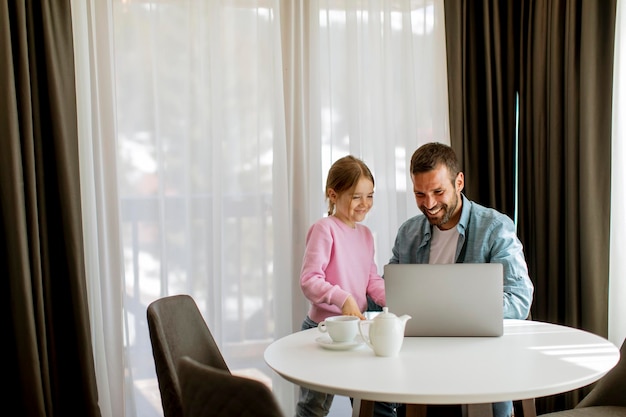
(485, 235)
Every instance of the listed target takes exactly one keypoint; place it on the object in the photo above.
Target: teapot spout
(404, 318)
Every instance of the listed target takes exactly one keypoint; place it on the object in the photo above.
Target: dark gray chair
(211, 392)
(607, 398)
(178, 329)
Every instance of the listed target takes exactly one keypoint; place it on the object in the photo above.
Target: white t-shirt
(443, 246)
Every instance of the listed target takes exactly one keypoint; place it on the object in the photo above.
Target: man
(456, 229)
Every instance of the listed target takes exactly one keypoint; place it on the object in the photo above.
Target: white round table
(532, 359)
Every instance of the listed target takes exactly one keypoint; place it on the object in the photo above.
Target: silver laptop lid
(447, 299)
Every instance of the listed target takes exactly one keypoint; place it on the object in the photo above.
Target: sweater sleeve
(313, 280)
(376, 286)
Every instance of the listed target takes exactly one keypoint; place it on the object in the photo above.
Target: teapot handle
(365, 335)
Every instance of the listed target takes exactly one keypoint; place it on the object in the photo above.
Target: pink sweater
(339, 261)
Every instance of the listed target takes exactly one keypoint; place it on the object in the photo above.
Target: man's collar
(466, 208)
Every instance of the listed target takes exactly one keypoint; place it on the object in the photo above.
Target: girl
(338, 269)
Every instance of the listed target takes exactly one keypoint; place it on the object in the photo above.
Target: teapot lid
(386, 314)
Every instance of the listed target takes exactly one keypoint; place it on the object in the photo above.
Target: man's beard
(447, 213)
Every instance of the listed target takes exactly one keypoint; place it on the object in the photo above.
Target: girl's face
(352, 207)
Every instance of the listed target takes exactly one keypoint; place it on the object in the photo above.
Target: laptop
(458, 299)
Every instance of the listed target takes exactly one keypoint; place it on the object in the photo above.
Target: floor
(341, 407)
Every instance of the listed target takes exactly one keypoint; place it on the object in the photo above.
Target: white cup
(340, 328)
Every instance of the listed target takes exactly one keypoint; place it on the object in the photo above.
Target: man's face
(439, 197)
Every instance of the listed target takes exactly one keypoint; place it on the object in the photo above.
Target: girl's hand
(350, 308)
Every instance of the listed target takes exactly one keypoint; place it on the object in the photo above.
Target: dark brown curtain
(49, 369)
(482, 85)
(565, 161)
(558, 54)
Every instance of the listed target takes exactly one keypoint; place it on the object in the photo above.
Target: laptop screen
(447, 299)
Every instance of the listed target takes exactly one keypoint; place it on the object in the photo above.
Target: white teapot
(386, 333)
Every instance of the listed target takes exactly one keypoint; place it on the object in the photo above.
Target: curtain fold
(617, 277)
(45, 304)
(481, 37)
(565, 159)
(565, 150)
(558, 55)
(99, 198)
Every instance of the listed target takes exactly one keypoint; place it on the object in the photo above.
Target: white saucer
(327, 343)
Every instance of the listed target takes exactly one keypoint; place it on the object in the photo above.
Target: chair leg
(365, 407)
(415, 410)
(528, 408)
(477, 410)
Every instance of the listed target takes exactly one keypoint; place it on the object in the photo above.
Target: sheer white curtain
(617, 282)
(207, 130)
(377, 89)
(202, 173)
(92, 38)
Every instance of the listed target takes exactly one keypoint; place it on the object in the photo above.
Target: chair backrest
(211, 392)
(611, 388)
(178, 329)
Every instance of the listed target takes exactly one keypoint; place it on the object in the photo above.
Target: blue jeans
(312, 403)
(501, 409)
